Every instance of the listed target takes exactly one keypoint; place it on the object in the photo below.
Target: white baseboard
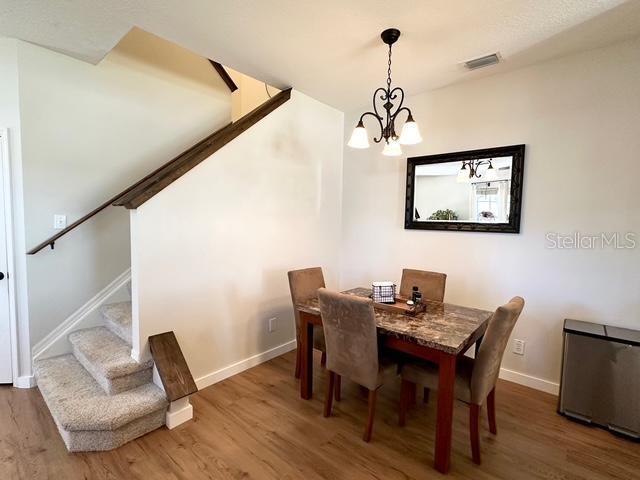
(28, 381)
(179, 412)
(529, 381)
(135, 354)
(242, 365)
(56, 341)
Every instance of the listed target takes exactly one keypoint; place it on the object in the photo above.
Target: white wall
(441, 192)
(251, 93)
(580, 119)
(87, 133)
(210, 253)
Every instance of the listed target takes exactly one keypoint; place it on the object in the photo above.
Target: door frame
(11, 264)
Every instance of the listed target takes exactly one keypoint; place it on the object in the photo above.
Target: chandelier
(387, 115)
(471, 169)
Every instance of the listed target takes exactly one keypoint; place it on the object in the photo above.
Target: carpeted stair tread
(78, 403)
(107, 354)
(118, 318)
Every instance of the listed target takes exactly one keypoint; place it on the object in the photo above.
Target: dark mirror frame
(517, 172)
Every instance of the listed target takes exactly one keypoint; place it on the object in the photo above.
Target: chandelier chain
(389, 72)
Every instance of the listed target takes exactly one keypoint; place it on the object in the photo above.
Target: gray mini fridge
(600, 381)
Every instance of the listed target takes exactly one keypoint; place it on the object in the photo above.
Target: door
(5, 319)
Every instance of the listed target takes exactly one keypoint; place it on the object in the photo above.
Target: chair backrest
(487, 363)
(430, 284)
(304, 285)
(351, 337)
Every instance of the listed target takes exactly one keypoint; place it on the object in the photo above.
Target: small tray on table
(401, 307)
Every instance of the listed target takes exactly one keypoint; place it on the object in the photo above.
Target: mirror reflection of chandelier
(471, 169)
(393, 99)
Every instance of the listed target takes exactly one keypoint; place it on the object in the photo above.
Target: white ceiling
(330, 49)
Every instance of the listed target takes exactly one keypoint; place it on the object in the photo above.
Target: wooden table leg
(306, 364)
(444, 422)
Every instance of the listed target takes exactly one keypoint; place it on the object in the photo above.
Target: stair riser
(113, 386)
(124, 334)
(117, 318)
(101, 440)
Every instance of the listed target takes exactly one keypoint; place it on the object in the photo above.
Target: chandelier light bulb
(490, 173)
(410, 134)
(463, 175)
(359, 138)
(392, 148)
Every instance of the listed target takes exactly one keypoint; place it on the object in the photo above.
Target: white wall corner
(137, 352)
(179, 412)
(55, 343)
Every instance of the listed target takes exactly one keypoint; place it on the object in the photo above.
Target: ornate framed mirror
(476, 190)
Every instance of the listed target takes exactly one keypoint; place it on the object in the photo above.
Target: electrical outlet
(518, 346)
(273, 324)
(59, 221)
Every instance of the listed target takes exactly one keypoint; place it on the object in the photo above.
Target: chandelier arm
(393, 94)
(403, 109)
(479, 163)
(382, 97)
(379, 119)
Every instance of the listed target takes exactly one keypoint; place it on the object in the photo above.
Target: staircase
(101, 398)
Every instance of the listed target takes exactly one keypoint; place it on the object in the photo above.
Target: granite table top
(442, 326)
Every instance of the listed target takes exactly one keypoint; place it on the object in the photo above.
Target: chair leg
(323, 359)
(373, 394)
(328, 399)
(474, 422)
(405, 398)
(298, 359)
(412, 394)
(491, 410)
(425, 397)
(338, 387)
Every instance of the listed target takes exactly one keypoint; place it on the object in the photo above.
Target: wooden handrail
(144, 191)
(52, 240)
(226, 78)
(141, 191)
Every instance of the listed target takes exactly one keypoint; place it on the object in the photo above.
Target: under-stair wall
(210, 252)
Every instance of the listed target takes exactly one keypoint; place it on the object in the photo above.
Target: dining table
(439, 334)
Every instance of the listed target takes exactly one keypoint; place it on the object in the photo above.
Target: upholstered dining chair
(352, 347)
(304, 285)
(475, 379)
(430, 284)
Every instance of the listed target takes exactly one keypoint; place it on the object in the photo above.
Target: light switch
(59, 221)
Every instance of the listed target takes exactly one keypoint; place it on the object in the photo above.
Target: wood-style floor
(254, 425)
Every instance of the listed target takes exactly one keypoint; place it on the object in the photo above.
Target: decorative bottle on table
(416, 296)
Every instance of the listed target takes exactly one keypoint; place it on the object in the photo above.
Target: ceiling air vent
(482, 61)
